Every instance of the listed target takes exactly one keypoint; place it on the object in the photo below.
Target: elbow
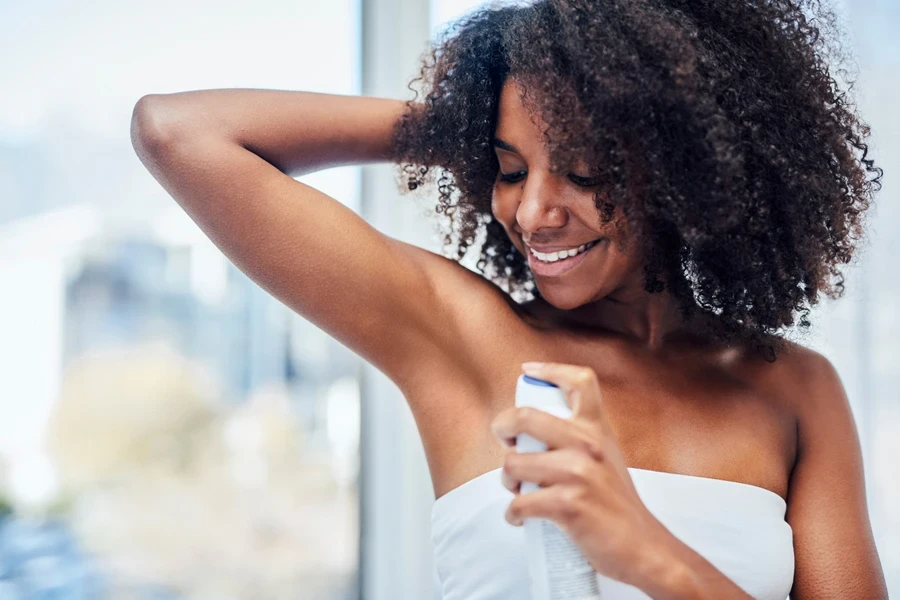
(151, 129)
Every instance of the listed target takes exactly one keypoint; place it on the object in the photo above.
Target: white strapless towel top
(739, 528)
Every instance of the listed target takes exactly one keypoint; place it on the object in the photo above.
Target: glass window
(167, 428)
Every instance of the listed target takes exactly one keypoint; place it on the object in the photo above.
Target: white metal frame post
(395, 486)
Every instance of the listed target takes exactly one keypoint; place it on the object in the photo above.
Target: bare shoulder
(817, 397)
(810, 382)
(835, 553)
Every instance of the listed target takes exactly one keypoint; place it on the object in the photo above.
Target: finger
(507, 481)
(541, 425)
(554, 431)
(580, 384)
(558, 503)
(557, 467)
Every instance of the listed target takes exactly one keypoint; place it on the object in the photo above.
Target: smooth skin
(454, 342)
(587, 490)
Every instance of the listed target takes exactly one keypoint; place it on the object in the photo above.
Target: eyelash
(582, 181)
(510, 177)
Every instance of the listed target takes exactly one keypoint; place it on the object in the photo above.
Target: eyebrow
(506, 146)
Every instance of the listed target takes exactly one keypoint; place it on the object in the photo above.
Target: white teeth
(562, 254)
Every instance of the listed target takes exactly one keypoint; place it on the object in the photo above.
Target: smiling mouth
(560, 266)
(553, 257)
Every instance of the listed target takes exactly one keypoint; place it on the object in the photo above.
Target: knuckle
(593, 447)
(580, 467)
(526, 416)
(585, 376)
(569, 505)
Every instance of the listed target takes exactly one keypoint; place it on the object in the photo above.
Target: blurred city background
(170, 431)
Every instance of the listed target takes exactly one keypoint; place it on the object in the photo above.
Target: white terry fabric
(739, 528)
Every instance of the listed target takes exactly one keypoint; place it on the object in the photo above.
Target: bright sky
(98, 57)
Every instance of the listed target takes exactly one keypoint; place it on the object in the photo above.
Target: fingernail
(532, 366)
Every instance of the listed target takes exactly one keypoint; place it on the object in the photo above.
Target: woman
(703, 178)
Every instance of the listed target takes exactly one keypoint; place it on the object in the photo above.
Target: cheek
(496, 199)
(625, 258)
(503, 207)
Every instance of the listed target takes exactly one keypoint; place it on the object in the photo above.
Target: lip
(549, 249)
(559, 267)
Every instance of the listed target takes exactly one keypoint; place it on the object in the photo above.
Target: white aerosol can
(558, 569)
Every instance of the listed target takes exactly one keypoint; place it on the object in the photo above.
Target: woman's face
(555, 211)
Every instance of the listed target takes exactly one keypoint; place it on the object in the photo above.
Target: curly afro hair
(716, 127)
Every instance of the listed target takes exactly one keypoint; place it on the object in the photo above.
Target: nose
(540, 206)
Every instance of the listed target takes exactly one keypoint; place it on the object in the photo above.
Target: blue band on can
(535, 381)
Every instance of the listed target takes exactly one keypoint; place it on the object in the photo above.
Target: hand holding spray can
(559, 571)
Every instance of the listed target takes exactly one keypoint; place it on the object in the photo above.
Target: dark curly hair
(716, 126)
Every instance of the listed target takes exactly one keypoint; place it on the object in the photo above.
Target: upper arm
(835, 554)
(383, 298)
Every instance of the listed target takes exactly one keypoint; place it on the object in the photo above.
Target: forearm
(296, 131)
(674, 571)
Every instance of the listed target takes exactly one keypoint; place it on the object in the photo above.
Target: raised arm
(228, 156)
(835, 554)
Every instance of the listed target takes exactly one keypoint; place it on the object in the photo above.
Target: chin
(564, 297)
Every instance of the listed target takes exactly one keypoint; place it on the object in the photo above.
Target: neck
(652, 321)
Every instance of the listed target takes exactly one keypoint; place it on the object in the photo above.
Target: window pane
(167, 428)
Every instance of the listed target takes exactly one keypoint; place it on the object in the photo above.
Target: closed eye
(511, 177)
(578, 180)
(584, 181)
